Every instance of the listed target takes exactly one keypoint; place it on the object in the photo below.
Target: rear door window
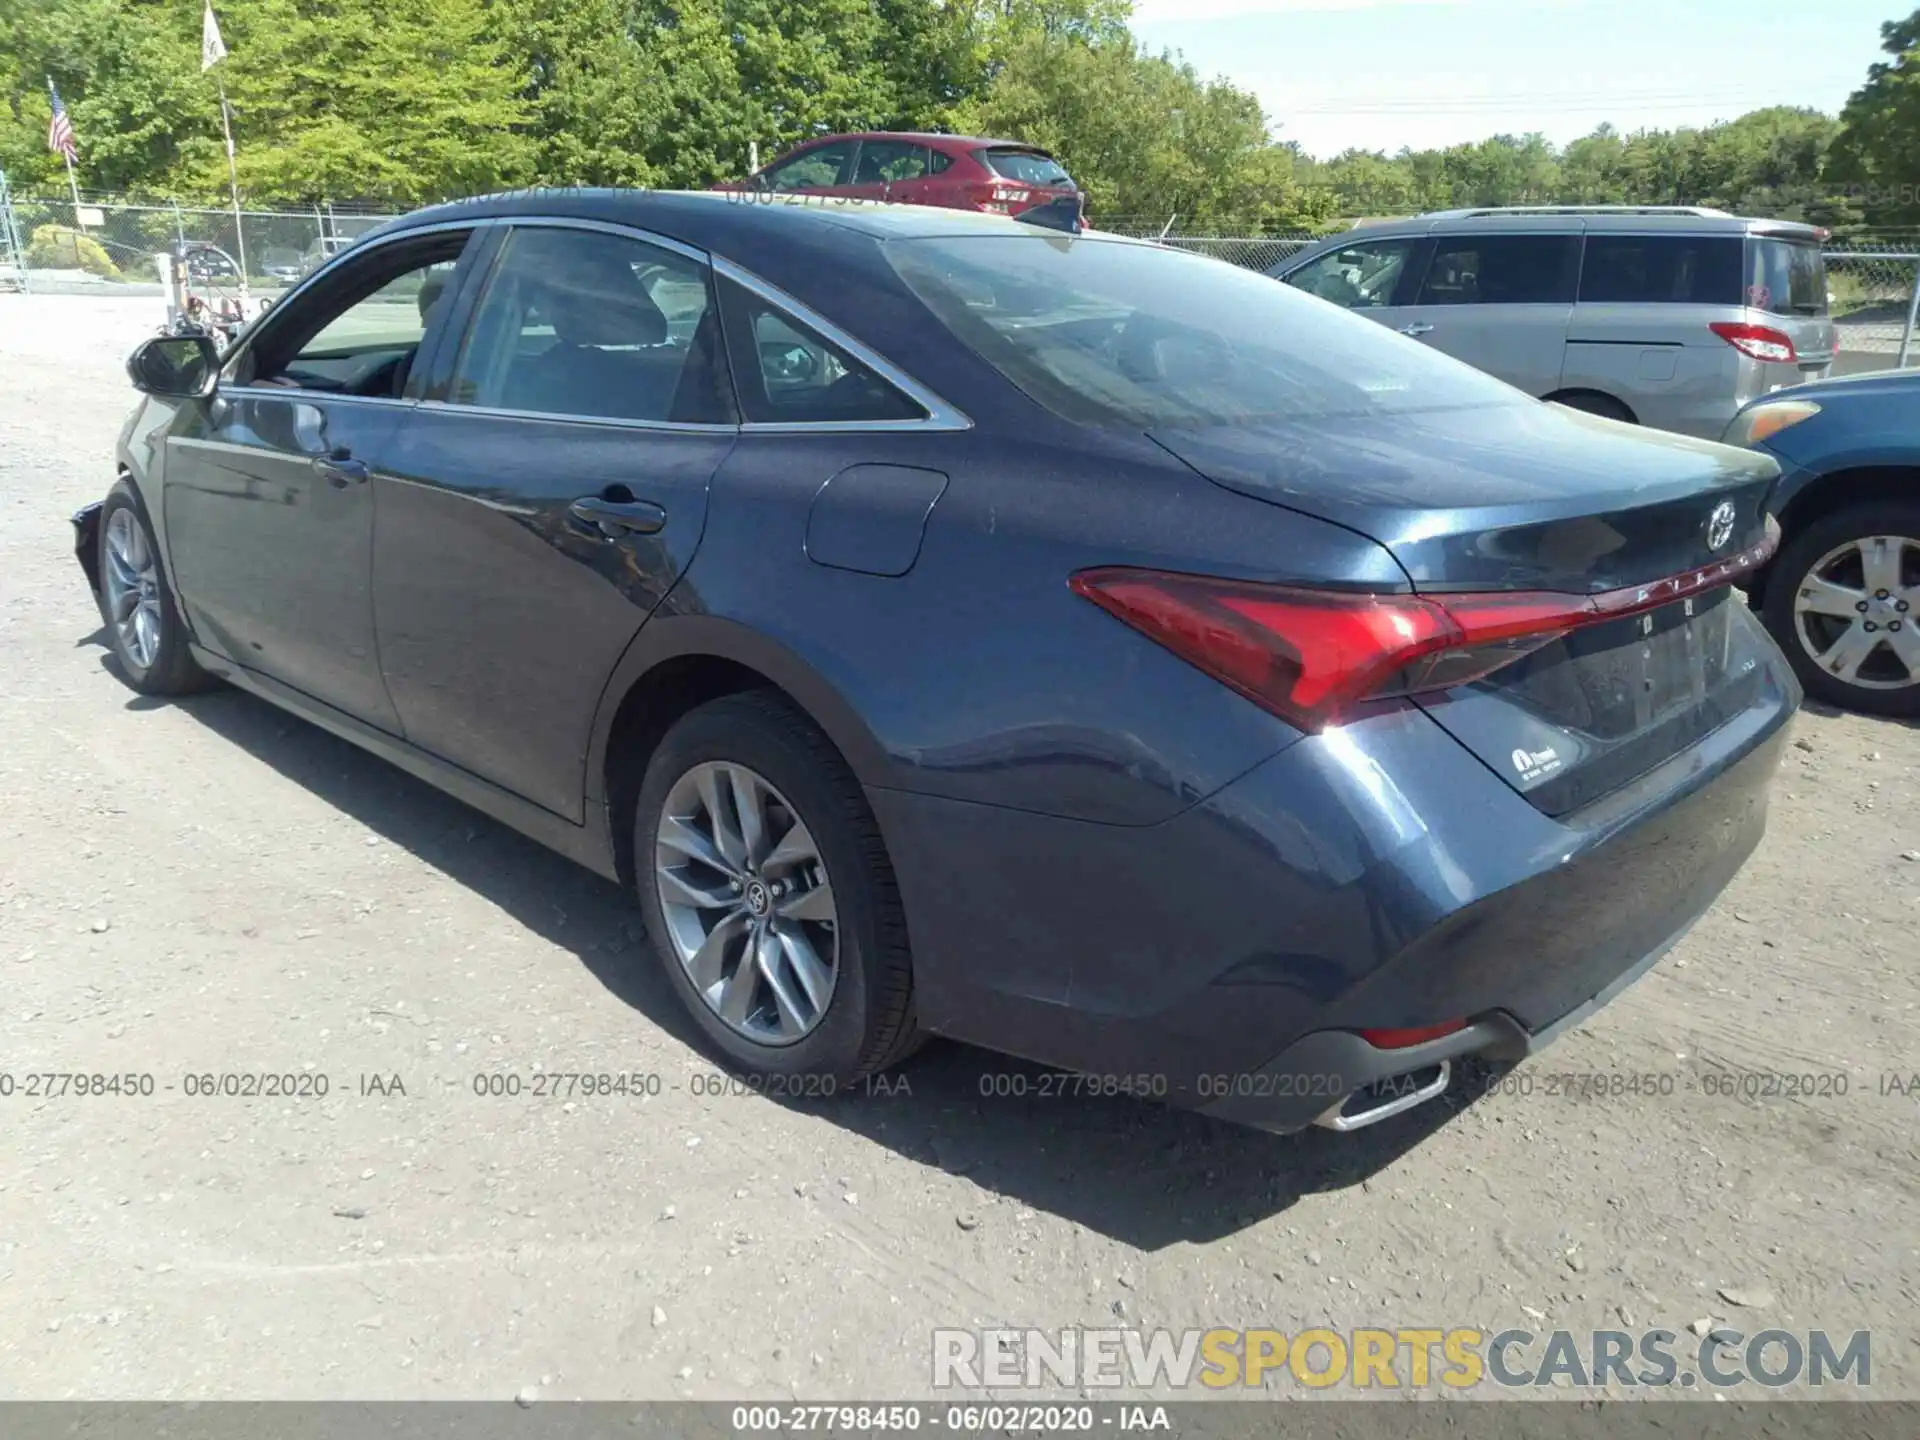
(1028, 167)
(1661, 270)
(883, 162)
(1502, 270)
(1357, 277)
(585, 324)
(1787, 278)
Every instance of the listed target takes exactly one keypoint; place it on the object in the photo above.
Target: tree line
(401, 102)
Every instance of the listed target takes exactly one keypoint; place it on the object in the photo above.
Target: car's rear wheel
(768, 895)
(143, 623)
(1843, 602)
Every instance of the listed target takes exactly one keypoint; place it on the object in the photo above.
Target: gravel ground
(214, 887)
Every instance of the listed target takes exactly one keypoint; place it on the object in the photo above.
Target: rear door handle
(1417, 329)
(340, 469)
(614, 518)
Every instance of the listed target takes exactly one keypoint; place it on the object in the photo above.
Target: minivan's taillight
(1313, 656)
(1757, 342)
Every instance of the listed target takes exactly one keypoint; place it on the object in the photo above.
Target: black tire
(171, 669)
(868, 1024)
(1790, 569)
(1590, 402)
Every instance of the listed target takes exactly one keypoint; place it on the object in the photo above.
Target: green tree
(1146, 139)
(1877, 153)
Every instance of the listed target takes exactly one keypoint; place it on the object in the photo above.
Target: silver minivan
(1667, 316)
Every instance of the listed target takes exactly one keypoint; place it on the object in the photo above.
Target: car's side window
(882, 162)
(821, 166)
(361, 334)
(786, 372)
(1662, 270)
(588, 323)
(1358, 277)
(1502, 270)
(938, 161)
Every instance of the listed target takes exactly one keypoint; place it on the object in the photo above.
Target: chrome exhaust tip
(1384, 1099)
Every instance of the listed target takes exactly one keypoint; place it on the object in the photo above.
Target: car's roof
(925, 137)
(1634, 219)
(723, 220)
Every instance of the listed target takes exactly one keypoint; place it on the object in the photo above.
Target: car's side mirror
(180, 367)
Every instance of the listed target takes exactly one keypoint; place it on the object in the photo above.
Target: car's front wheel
(143, 622)
(1844, 604)
(768, 895)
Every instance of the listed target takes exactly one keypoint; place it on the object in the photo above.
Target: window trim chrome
(687, 427)
(940, 415)
(306, 396)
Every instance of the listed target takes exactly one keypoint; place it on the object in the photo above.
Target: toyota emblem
(1720, 526)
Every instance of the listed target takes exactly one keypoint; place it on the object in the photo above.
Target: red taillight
(1406, 1039)
(1757, 342)
(1313, 656)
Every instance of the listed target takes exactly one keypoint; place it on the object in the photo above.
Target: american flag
(60, 129)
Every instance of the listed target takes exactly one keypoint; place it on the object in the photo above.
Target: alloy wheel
(747, 902)
(132, 583)
(1857, 612)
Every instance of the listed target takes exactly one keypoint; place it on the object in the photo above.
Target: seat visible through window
(570, 325)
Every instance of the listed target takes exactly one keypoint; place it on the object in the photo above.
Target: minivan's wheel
(1591, 402)
(143, 623)
(768, 895)
(1844, 604)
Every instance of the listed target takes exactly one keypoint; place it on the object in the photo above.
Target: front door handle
(340, 469)
(1417, 329)
(614, 518)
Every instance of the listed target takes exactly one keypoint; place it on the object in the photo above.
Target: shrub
(57, 247)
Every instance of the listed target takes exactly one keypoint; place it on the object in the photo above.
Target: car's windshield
(1114, 333)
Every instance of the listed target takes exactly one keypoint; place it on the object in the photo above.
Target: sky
(1380, 74)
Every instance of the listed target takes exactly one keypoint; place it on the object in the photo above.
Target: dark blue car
(951, 626)
(1843, 596)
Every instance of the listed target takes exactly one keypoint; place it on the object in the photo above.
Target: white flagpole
(73, 185)
(233, 187)
(73, 189)
(212, 51)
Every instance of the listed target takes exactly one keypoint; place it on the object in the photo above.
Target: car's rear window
(1029, 167)
(1787, 277)
(1662, 270)
(1107, 332)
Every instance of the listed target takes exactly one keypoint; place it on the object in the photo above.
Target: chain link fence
(107, 246)
(1871, 290)
(1253, 253)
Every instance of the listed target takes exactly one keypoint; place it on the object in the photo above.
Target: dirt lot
(212, 887)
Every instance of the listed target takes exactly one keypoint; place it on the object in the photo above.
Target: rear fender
(669, 637)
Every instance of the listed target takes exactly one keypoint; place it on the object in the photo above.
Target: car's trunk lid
(1535, 498)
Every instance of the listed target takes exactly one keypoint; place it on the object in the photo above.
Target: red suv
(958, 172)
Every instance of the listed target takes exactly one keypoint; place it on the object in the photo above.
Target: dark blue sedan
(951, 626)
(1843, 597)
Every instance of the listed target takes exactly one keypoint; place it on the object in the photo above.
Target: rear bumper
(1377, 876)
(1324, 1077)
